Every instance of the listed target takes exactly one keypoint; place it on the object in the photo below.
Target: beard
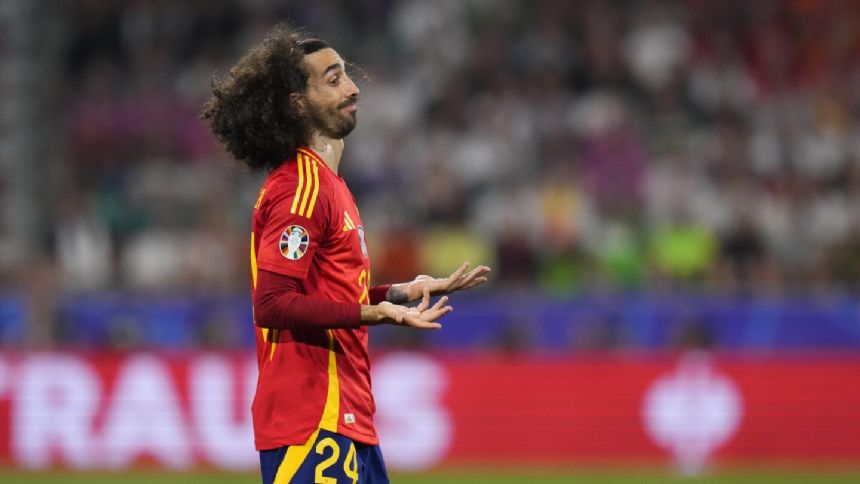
(332, 122)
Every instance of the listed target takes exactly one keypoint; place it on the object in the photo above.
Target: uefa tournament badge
(294, 242)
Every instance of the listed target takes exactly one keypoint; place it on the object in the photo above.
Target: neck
(329, 149)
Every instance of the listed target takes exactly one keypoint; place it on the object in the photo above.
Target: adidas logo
(348, 224)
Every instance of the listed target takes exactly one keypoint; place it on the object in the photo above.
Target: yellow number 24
(350, 465)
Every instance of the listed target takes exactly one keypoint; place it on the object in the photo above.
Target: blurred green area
(469, 475)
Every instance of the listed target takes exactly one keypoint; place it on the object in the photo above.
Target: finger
(425, 301)
(479, 271)
(476, 282)
(458, 273)
(441, 302)
(436, 313)
(483, 270)
(420, 323)
(438, 310)
(465, 282)
(467, 278)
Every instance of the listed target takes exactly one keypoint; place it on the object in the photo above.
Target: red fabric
(278, 304)
(306, 227)
(379, 294)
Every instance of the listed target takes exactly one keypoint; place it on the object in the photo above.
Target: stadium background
(666, 191)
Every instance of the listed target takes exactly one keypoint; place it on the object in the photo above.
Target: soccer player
(286, 107)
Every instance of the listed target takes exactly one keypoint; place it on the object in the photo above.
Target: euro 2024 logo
(294, 242)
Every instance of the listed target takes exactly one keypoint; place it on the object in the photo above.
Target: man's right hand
(422, 316)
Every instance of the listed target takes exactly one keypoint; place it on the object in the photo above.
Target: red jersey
(306, 226)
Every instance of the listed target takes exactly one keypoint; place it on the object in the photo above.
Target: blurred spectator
(607, 145)
(743, 252)
(682, 250)
(445, 247)
(397, 258)
(83, 244)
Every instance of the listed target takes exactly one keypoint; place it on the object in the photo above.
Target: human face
(331, 96)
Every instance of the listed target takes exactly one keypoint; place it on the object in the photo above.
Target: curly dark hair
(250, 110)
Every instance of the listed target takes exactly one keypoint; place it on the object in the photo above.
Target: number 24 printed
(350, 464)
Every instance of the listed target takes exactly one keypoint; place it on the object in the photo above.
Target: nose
(351, 89)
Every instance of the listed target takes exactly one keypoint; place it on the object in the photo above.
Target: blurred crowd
(573, 145)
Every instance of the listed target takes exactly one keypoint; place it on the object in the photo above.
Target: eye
(334, 80)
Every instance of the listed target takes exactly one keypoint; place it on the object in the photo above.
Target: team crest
(360, 231)
(294, 242)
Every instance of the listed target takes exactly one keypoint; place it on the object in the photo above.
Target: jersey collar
(307, 151)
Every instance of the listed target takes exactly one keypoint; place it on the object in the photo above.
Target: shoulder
(300, 187)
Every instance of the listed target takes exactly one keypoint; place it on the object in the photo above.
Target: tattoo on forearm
(397, 294)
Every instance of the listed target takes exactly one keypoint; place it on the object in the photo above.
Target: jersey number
(364, 284)
(350, 465)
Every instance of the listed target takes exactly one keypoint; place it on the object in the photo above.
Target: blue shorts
(327, 458)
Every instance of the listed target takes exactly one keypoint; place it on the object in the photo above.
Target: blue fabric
(368, 463)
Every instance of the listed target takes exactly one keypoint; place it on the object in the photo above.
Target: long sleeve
(379, 294)
(278, 304)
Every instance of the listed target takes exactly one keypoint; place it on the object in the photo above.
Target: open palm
(422, 316)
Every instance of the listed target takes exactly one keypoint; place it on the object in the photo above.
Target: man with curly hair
(285, 108)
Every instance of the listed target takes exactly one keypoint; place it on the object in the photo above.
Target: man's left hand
(459, 280)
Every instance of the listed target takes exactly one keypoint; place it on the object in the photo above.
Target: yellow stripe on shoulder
(305, 198)
(310, 154)
(300, 168)
(310, 181)
(316, 189)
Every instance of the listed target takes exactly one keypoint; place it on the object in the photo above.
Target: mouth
(349, 106)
